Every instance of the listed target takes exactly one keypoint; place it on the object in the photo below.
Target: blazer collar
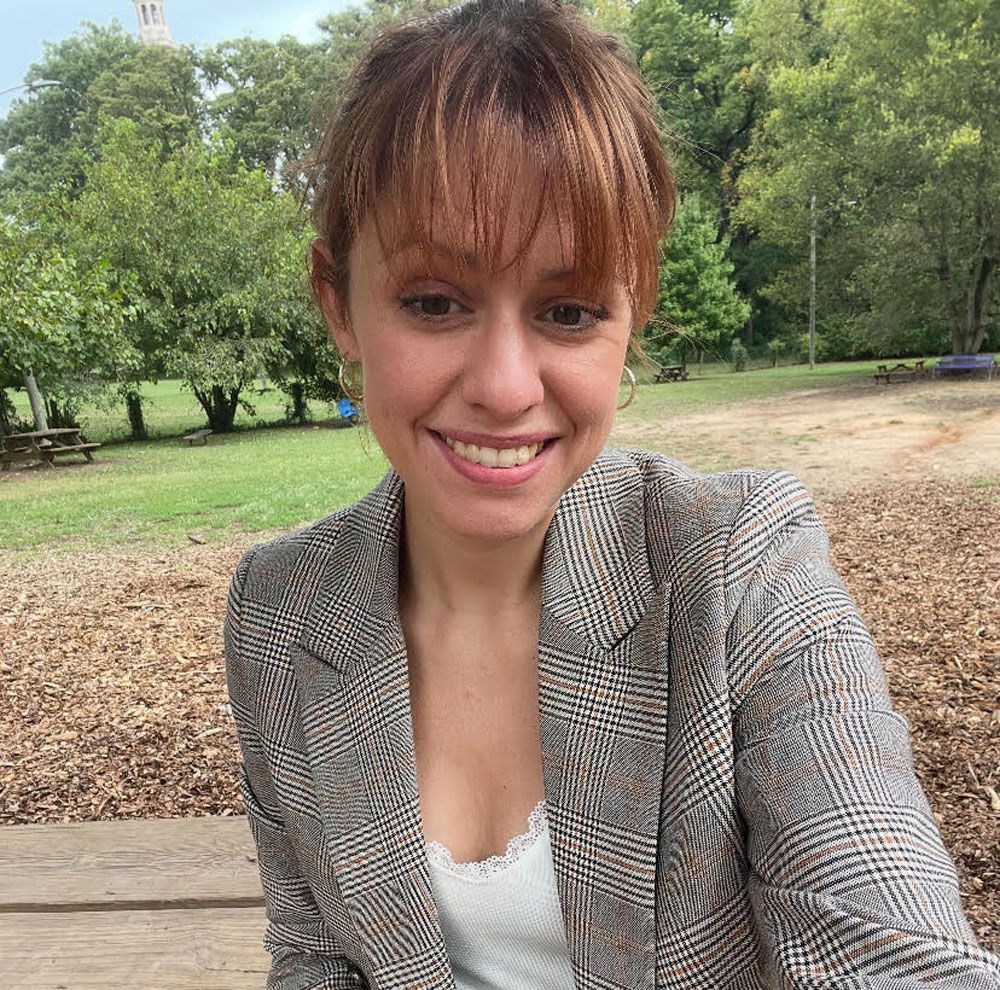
(602, 714)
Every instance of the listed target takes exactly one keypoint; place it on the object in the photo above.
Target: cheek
(405, 381)
(589, 390)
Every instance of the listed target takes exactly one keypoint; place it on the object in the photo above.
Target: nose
(502, 373)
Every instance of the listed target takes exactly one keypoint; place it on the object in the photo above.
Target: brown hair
(505, 82)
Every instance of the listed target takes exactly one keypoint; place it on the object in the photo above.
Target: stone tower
(153, 28)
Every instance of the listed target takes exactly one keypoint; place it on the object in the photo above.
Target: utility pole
(812, 283)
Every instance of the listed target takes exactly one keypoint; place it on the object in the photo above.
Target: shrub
(738, 355)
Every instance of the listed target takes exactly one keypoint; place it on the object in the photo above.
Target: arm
(305, 953)
(850, 882)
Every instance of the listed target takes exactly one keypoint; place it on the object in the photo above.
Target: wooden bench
(151, 904)
(83, 448)
(899, 372)
(966, 363)
(201, 435)
(671, 373)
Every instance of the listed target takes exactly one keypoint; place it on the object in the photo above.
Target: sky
(25, 24)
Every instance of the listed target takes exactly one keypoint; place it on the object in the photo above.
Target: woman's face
(489, 394)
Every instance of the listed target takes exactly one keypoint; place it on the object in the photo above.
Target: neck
(452, 574)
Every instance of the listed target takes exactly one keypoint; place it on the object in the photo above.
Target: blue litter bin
(347, 410)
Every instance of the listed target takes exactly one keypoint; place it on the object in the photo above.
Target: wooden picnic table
(44, 446)
(900, 372)
(671, 373)
(151, 903)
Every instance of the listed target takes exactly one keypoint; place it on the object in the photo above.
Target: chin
(496, 527)
(492, 530)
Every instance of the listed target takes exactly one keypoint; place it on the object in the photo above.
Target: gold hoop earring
(633, 386)
(360, 396)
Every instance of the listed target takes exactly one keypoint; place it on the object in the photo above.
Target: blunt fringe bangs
(451, 108)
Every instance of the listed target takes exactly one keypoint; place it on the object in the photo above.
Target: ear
(334, 307)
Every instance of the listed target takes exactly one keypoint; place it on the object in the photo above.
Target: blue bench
(961, 363)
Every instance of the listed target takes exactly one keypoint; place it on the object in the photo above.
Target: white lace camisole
(501, 918)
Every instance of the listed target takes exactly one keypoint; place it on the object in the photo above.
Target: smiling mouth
(495, 457)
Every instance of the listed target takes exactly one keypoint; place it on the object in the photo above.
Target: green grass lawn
(714, 385)
(158, 492)
(261, 480)
(171, 410)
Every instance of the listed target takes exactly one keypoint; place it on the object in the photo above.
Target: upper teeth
(492, 456)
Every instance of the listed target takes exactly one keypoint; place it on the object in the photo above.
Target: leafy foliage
(699, 307)
(215, 259)
(64, 326)
(264, 102)
(694, 56)
(888, 112)
(39, 136)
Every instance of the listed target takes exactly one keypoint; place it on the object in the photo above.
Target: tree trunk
(968, 335)
(6, 414)
(59, 418)
(220, 407)
(136, 421)
(37, 403)
(299, 407)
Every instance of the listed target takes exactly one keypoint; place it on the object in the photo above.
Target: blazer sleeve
(305, 953)
(850, 883)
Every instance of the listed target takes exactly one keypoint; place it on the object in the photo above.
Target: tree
(698, 306)
(39, 134)
(215, 259)
(892, 118)
(157, 87)
(694, 56)
(60, 326)
(265, 101)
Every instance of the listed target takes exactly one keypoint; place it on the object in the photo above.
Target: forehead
(545, 249)
(528, 236)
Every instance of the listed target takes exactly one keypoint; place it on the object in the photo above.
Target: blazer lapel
(353, 688)
(602, 669)
(602, 714)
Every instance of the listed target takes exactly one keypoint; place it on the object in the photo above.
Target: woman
(537, 712)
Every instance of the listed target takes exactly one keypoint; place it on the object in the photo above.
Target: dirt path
(837, 439)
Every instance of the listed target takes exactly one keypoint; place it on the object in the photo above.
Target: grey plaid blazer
(730, 794)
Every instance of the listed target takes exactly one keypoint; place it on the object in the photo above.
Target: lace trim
(481, 869)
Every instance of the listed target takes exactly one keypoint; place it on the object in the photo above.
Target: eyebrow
(545, 275)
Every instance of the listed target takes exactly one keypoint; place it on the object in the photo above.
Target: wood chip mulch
(113, 701)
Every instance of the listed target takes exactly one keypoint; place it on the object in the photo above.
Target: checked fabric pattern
(730, 794)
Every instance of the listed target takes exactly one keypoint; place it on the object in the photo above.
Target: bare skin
(472, 653)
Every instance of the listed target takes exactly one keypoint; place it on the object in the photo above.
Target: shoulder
(740, 501)
(290, 569)
(274, 563)
(723, 523)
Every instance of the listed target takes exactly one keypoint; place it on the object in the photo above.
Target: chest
(477, 742)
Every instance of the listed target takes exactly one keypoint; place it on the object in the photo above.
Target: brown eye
(427, 307)
(575, 314)
(435, 305)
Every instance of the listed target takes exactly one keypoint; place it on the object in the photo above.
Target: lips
(501, 467)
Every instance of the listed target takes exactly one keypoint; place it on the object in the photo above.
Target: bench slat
(158, 863)
(219, 948)
(76, 447)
